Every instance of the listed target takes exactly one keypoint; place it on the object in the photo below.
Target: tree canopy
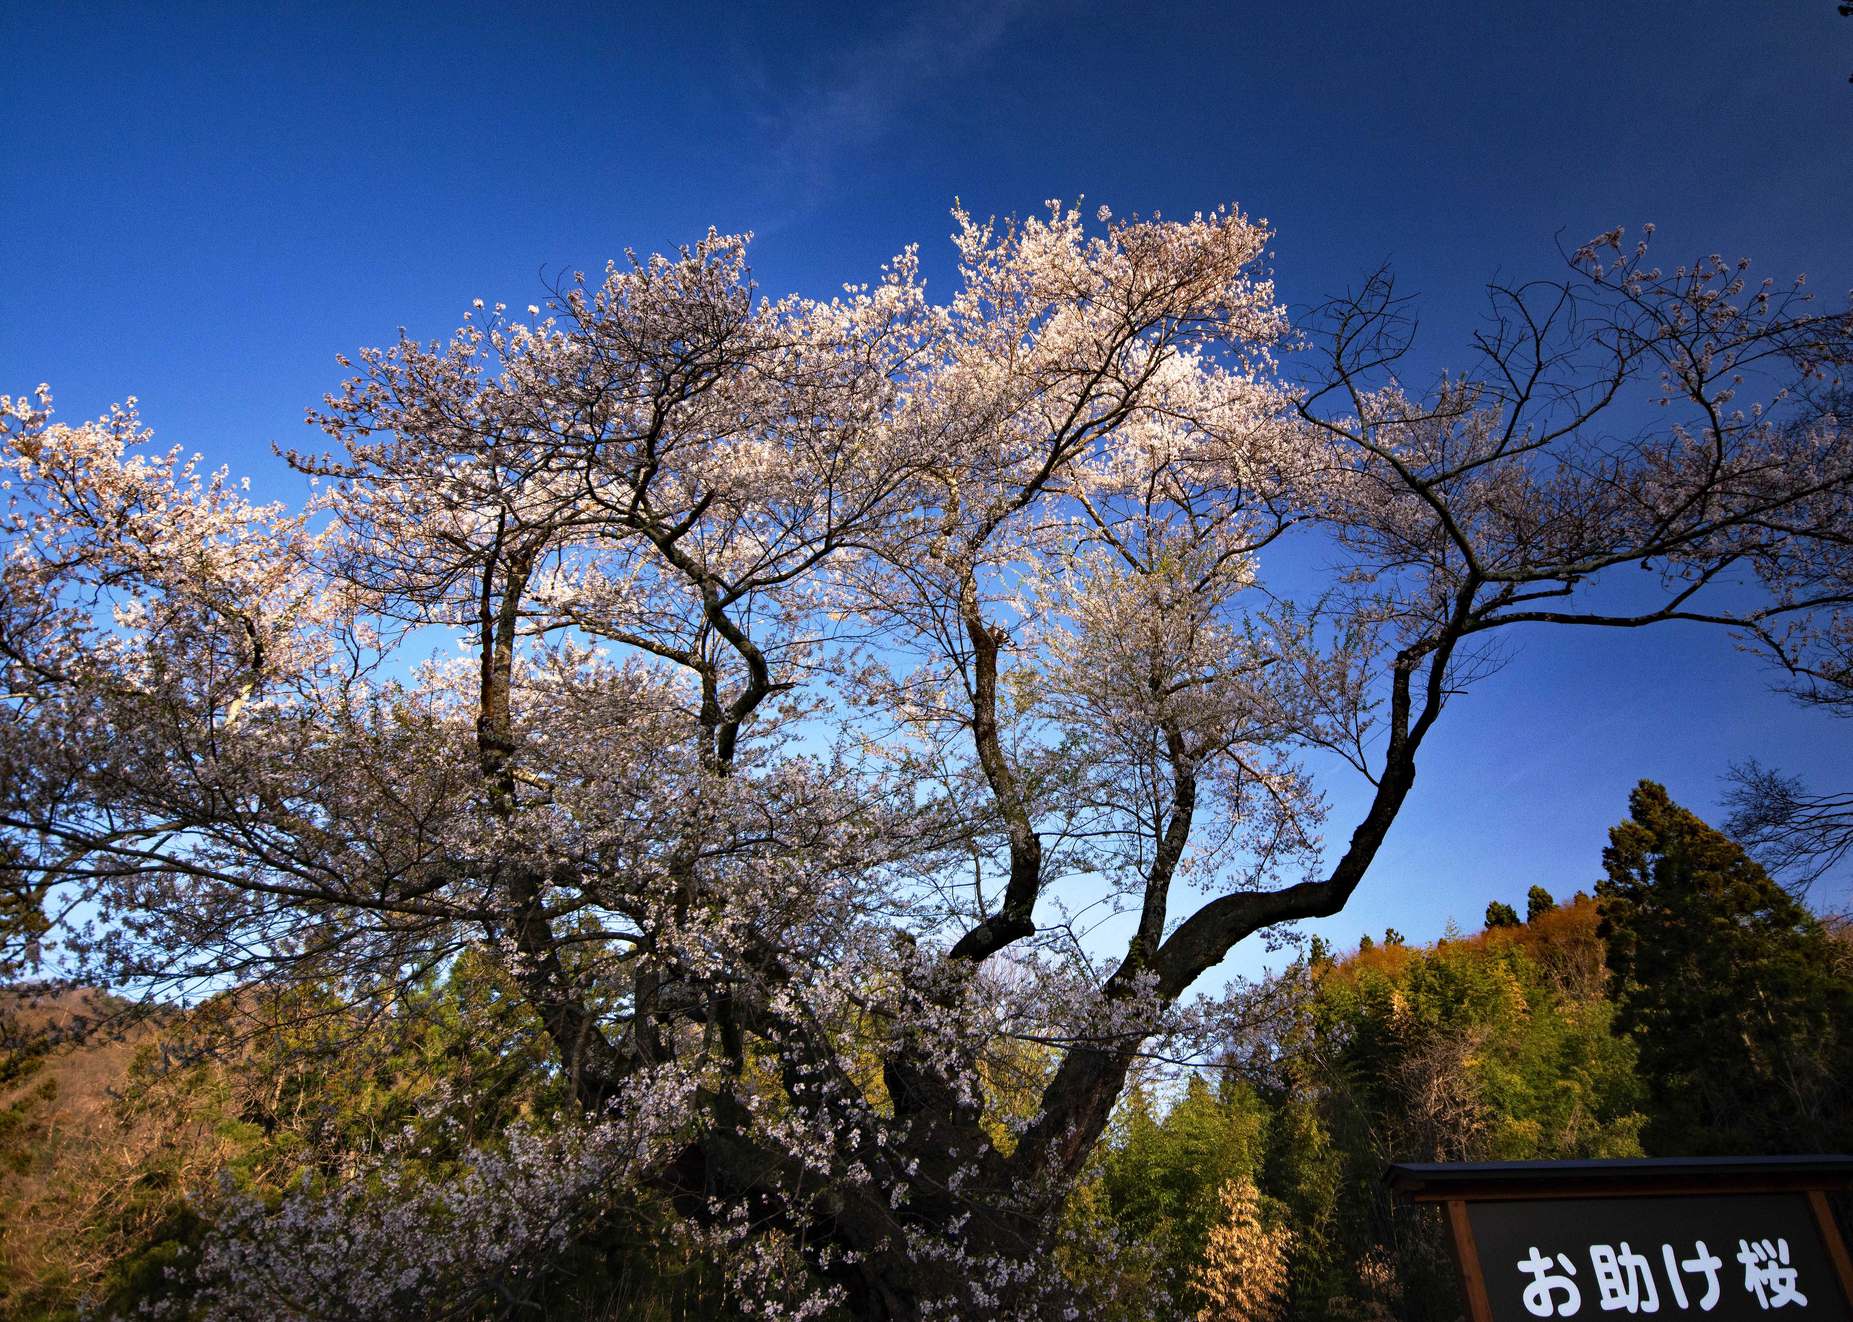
(1729, 986)
(773, 692)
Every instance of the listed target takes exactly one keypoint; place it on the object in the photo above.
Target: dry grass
(96, 1153)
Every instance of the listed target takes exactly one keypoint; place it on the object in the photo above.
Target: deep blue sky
(201, 206)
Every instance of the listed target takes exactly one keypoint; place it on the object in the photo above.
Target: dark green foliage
(1504, 1045)
(1161, 1176)
(1487, 1047)
(1730, 988)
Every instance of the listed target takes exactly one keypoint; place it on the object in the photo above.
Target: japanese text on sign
(1625, 1279)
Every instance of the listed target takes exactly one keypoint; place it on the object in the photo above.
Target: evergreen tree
(1501, 914)
(1538, 902)
(1727, 985)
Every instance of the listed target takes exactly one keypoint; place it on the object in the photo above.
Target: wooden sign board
(1723, 1239)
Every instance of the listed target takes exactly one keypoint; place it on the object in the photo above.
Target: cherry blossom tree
(1798, 832)
(856, 724)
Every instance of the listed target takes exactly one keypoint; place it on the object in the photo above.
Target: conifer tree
(1727, 985)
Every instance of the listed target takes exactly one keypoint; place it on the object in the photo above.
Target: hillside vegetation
(1245, 1186)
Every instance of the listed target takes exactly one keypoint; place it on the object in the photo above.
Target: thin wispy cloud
(813, 121)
